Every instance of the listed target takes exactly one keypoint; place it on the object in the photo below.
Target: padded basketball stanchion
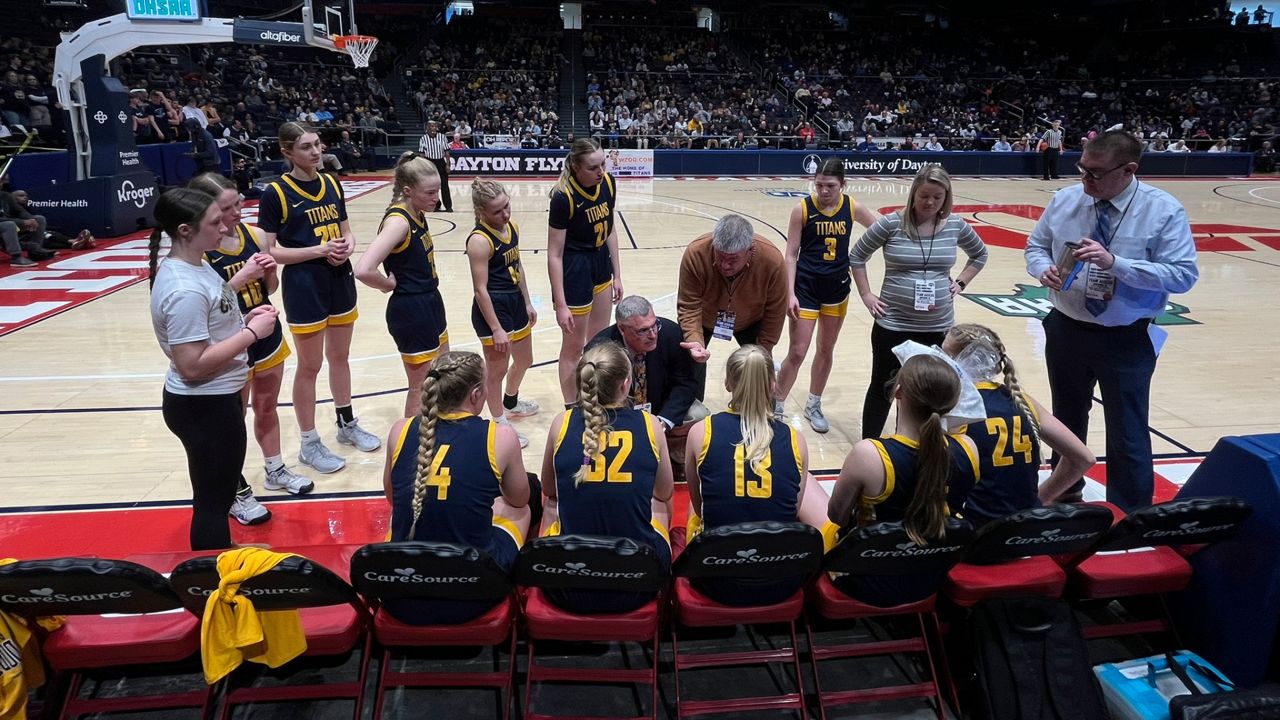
(1230, 610)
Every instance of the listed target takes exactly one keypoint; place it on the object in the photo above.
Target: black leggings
(884, 365)
(212, 430)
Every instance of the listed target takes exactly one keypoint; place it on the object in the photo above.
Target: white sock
(814, 400)
(310, 435)
(274, 463)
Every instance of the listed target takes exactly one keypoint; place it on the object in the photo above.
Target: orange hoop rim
(342, 40)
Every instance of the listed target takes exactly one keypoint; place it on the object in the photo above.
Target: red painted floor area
(301, 522)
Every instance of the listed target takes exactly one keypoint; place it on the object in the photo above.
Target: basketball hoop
(359, 47)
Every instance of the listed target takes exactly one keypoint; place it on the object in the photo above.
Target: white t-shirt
(190, 303)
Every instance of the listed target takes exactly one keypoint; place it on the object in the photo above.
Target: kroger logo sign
(129, 192)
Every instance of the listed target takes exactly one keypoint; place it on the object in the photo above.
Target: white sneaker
(523, 408)
(285, 479)
(319, 458)
(818, 421)
(352, 434)
(248, 511)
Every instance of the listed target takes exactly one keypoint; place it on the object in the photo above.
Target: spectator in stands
(145, 130)
(868, 144)
(1260, 15)
(214, 125)
(352, 154)
(456, 143)
(1179, 147)
(1265, 159)
(13, 100)
(192, 111)
(1242, 18)
(933, 145)
(41, 99)
(808, 139)
(20, 231)
(1220, 146)
(1002, 145)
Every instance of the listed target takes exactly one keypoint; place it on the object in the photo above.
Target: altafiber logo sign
(1032, 301)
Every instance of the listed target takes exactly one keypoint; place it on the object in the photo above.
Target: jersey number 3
(1001, 456)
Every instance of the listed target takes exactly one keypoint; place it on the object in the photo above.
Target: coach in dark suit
(662, 377)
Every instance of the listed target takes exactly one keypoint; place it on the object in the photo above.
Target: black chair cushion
(83, 586)
(295, 582)
(1061, 529)
(1192, 521)
(404, 570)
(590, 562)
(886, 549)
(767, 550)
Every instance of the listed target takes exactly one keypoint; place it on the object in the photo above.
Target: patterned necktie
(640, 385)
(1097, 306)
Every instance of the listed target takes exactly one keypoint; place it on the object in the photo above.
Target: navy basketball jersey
(303, 213)
(1008, 456)
(824, 238)
(732, 492)
(585, 216)
(899, 455)
(413, 259)
(464, 481)
(229, 262)
(504, 262)
(614, 499)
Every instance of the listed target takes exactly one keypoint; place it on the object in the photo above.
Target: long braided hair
(450, 379)
(966, 335)
(601, 372)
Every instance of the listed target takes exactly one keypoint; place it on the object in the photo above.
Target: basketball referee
(434, 146)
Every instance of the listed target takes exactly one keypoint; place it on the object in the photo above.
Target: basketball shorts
(416, 322)
(512, 316)
(586, 274)
(317, 295)
(822, 295)
(270, 351)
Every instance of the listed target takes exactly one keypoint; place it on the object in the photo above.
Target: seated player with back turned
(917, 476)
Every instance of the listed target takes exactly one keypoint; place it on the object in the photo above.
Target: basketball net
(359, 47)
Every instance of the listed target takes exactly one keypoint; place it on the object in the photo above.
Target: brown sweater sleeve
(695, 266)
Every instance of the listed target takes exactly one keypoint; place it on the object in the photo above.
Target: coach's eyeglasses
(1098, 174)
(649, 329)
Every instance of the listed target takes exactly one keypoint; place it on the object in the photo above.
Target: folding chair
(1142, 555)
(1010, 555)
(437, 571)
(884, 553)
(334, 621)
(768, 561)
(121, 616)
(589, 563)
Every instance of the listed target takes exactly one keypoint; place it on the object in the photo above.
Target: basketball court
(80, 391)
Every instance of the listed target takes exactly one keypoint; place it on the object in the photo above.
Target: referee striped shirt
(907, 260)
(433, 147)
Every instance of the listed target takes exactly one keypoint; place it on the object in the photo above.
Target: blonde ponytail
(445, 388)
(601, 372)
(750, 374)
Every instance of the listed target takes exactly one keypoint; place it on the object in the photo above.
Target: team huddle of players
(455, 476)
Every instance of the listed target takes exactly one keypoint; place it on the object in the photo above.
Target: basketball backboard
(324, 20)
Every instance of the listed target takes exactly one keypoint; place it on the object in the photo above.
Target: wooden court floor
(80, 389)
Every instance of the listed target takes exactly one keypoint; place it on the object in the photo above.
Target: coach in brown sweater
(732, 281)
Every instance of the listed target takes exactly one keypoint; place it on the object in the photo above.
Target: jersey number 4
(1001, 456)
(621, 440)
(440, 477)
